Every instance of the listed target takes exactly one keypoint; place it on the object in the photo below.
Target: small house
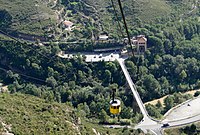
(103, 37)
(140, 42)
(68, 25)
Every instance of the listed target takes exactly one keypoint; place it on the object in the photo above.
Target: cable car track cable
(117, 18)
(125, 25)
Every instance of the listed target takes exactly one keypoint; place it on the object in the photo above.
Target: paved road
(101, 57)
(184, 121)
(186, 110)
(157, 128)
(146, 119)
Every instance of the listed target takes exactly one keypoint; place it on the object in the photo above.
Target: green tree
(51, 81)
(153, 86)
(103, 116)
(132, 68)
(93, 107)
(153, 111)
(12, 76)
(169, 102)
(5, 19)
(165, 86)
(183, 75)
(84, 108)
(158, 104)
(168, 46)
(193, 128)
(80, 76)
(156, 44)
(126, 113)
(107, 77)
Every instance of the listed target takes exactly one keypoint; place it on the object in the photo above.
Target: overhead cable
(125, 25)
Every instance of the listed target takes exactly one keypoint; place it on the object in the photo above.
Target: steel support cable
(125, 25)
(117, 18)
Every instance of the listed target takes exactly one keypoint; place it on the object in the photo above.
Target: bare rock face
(6, 128)
(79, 121)
(95, 131)
(7, 134)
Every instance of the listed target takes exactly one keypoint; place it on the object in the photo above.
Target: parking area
(90, 57)
(101, 57)
(188, 109)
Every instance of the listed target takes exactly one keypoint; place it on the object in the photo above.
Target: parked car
(100, 55)
(165, 125)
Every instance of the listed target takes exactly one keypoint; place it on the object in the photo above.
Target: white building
(103, 38)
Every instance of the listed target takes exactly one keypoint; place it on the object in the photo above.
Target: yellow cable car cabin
(115, 106)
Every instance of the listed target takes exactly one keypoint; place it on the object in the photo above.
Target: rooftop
(103, 37)
(68, 23)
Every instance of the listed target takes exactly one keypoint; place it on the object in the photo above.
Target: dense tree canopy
(5, 19)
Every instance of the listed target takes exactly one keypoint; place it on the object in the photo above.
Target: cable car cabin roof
(116, 102)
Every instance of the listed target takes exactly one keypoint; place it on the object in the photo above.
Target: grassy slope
(144, 9)
(3, 37)
(155, 101)
(30, 16)
(148, 11)
(151, 9)
(27, 14)
(31, 115)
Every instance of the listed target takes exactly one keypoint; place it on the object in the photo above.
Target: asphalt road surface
(186, 110)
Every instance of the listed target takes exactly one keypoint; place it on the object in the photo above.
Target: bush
(196, 94)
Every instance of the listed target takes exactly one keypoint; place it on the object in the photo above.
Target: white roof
(117, 102)
(68, 23)
(104, 37)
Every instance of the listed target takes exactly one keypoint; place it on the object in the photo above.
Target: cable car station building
(140, 42)
(104, 44)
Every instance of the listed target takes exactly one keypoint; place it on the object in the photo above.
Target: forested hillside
(169, 66)
(43, 18)
(24, 114)
(102, 18)
(62, 80)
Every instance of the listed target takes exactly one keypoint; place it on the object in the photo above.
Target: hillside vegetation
(24, 115)
(31, 115)
(192, 129)
(99, 16)
(29, 16)
(91, 17)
